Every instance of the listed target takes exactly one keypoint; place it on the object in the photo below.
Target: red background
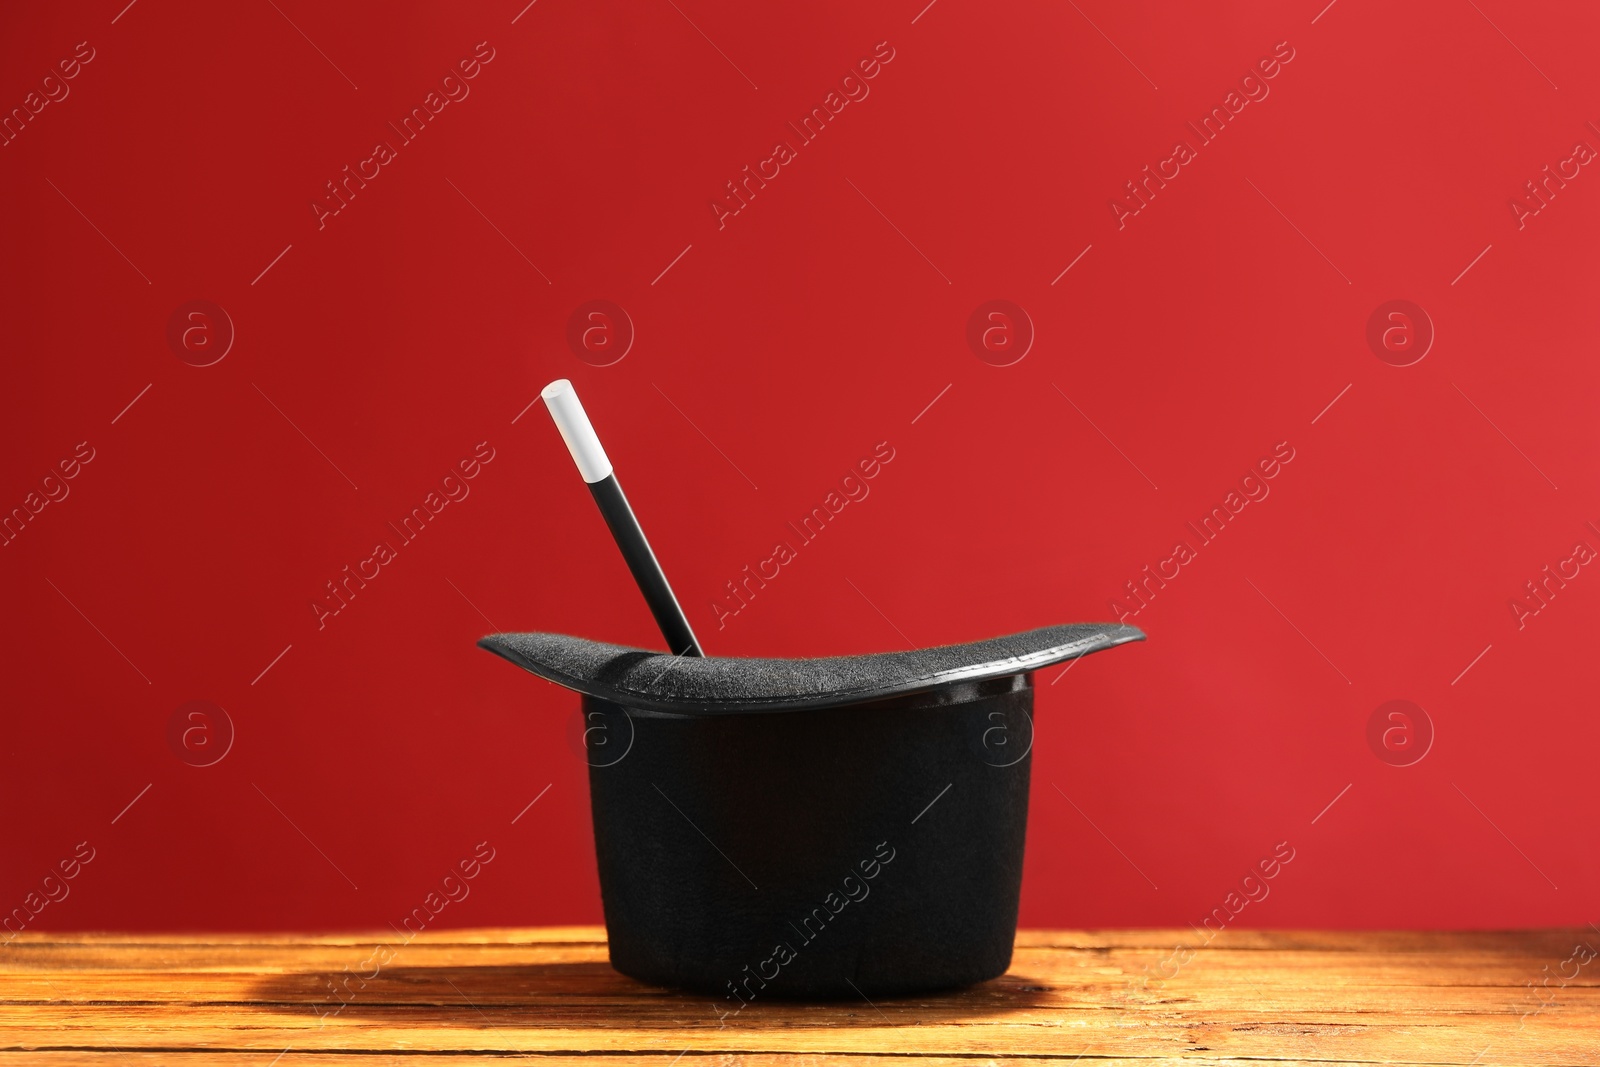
(377, 351)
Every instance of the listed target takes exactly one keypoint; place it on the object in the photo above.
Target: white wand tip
(576, 430)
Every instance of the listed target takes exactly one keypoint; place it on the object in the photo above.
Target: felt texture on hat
(656, 681)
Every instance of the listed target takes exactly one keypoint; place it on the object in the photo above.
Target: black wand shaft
(646, 569)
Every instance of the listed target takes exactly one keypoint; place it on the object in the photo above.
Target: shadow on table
(590, 994)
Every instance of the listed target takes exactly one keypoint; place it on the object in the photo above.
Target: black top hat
(745, 810)
(809, 827)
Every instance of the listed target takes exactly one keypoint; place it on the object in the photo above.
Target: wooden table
(456, 998)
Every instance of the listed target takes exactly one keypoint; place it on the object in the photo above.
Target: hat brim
(715, 685)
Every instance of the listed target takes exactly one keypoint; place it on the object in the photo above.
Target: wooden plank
(743, 1059)
(1433, 997)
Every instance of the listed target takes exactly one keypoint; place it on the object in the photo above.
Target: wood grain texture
(467, 997)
